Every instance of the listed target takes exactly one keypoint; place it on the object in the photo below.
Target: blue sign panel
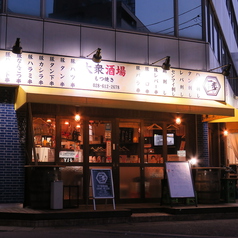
(102, 183)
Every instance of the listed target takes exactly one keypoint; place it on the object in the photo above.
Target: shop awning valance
(31, 94)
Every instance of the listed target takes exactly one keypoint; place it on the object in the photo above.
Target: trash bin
(56, 195)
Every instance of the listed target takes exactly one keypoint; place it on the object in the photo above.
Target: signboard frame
(102, 185)
(53, 71)
(180, 182)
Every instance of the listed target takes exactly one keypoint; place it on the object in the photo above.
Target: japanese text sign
(80, 73)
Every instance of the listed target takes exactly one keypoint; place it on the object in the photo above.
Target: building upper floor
(198, 34)
(180, 18)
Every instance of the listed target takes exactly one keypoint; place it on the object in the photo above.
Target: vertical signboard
(108, 134)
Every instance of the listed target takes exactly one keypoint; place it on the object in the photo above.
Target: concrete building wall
(78, 41)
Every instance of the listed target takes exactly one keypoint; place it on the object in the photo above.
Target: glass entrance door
(154, 158)
(115, 144)
(100, 142)
(129, 150)
(100, 148)
(136, 159)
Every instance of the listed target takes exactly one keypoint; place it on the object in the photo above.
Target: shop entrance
(129, 159)
(128, 148)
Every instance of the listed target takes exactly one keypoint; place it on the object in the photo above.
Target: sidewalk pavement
(17, 215)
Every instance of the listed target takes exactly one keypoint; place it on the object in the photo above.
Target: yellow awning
(227, 119)
(32, 94)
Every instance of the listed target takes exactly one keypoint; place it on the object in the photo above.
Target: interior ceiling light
(166, 64)
(225, 71)
(77, 117)
(17, 49)
(97, 58)
(178, 120)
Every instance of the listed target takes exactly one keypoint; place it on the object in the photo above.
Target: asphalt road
(180, 229)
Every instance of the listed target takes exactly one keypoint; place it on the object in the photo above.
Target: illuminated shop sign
(69, 156)
(79, 73)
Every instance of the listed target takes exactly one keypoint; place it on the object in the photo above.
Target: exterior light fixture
(97, 58)
(17, 49)
(225, 71)
(193, 161)
(166, 64)
(225, 132)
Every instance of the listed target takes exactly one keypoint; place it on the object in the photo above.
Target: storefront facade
(72, 114)
(133, 131)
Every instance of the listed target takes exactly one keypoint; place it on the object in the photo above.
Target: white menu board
(180, 179)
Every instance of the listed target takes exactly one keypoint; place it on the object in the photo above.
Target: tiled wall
(203, 150)
(11, 151)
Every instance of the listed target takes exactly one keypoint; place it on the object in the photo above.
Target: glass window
(223, 54)
(72, 177)
(176, 150)
(190, 19)
(210, 28)
(153, 177)
(97, 12)
(232, 15)
(130, 182)
(49, 6)
(44, 139)
(100, 142)
(1, 5)
(153, 145)
(27, 7)
(216, 41)
(71, 141)
(146, 16)
(129, 150)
